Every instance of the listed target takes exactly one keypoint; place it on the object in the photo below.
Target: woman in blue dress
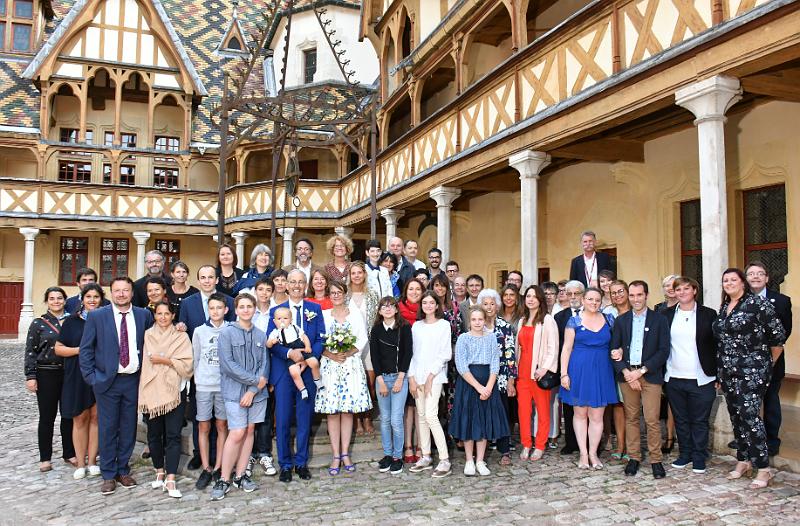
(587, 379)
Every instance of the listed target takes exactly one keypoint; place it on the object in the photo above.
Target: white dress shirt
(590, 271)
(684, 360)
(133, 352)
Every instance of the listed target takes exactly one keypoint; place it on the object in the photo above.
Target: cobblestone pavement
(552, 491)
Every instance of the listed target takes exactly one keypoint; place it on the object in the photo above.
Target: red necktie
(124, 346)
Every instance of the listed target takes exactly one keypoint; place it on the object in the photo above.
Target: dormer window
(16, 25)
(309, 65)
(234, 44)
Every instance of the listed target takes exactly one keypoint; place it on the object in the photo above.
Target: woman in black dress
(179, 290)
(227, 271)
(77, 397)
(44, 375)
(751, 338)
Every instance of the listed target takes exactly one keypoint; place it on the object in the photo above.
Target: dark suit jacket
(783, 308)
(562, 317)
(193, 316)
(655, 349)
(140, 289)
(577, 270)
(704, 336)
(405, 273)
(99, 350)
(314, 329)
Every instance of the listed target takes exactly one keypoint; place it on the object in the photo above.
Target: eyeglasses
(618, 292)
(336, 293)
(550, 293)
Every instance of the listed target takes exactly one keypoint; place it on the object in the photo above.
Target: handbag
(549, 380)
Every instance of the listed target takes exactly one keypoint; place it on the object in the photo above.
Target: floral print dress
(745, 369)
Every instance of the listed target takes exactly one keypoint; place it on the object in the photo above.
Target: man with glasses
(515, 278)
(434, 261)
(451, 270)
(550, 294)
(562, 302)
(574, 292)
(303, 252)
(288, 401)
(758, 277)
(154, 261)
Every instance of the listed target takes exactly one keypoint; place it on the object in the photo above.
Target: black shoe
(303, 472)
(733, 445)
(774, 452)
(195, 463)
(632, 468)
(396, 466)
(658, 470)
(217, 475)
(669, 443)
(385, 463)
(568, 450)
(204, 480)
(286, 475)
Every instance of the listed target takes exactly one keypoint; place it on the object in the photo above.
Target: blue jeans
(392, 408)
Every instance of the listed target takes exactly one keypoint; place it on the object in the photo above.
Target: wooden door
(10, 304)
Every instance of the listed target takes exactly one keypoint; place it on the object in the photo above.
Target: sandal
(350, 468)
(616, 456)
(537, 454)
(737, 473)
(45, 466)
(335, 471)
(505, 460)
(758, 483)
(71, 461)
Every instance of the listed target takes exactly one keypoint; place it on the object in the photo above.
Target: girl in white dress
(364, 300)
(343, 376)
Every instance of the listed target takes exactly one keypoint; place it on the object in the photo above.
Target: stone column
(26, 312)
(141, 238)
(444, 197)
(529, 164)
(238, 238)
(344, 231)
(708, 100)
(288, 254)
(391, 216)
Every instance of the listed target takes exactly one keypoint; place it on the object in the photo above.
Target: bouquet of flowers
(340, 340)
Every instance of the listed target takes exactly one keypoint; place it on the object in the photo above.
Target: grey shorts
(209, 403)
(239, 417)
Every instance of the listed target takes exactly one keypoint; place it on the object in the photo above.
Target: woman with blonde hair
(363, 300)
(340, 248)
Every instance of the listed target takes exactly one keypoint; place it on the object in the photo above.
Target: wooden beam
(608, 150)
(781, 85)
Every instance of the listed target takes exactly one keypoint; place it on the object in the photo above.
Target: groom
(287, 397)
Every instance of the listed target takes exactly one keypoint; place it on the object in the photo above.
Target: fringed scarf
(160, 385)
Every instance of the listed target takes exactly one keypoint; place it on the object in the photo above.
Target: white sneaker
(442, 469)
(79, 473)
(469, 468)
(266, 463)
(482, 469)
(94, 471)
(421, 465)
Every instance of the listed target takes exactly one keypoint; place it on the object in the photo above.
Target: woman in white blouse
(691, 373)
(426, 375)
(345, 383)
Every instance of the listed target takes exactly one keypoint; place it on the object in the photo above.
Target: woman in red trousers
(537, 353)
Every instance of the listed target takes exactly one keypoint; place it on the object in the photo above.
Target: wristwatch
(643, 369)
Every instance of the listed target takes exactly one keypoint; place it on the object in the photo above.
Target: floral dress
(451, 316)
(345, 384)
(745, 369)
(506, 345)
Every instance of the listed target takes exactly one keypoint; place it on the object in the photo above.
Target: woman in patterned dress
(362, 299)
(339, 248)
(751, 338)
(490, 300)
(343, 377)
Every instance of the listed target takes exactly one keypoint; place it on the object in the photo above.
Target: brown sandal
(46, 466)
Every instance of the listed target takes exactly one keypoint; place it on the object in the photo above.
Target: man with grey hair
(405, 269)
(575, 290)
(154, 261)
(585, 267)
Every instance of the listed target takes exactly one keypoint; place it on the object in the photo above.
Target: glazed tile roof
(200, 25)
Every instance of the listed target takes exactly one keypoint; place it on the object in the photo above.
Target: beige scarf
(160, 385)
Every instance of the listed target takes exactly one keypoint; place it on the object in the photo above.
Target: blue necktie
(299, 321)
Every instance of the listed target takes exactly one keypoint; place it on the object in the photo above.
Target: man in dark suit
(574, 290)
(155, 262)
(110, 360)
(758, 277)
(304, 251)
(194, 309)
(288, 400)
(585, 267)
(691, 372)
(193, 314)
(405, 269)
(640, 348)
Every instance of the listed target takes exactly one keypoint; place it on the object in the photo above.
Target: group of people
(445, 360)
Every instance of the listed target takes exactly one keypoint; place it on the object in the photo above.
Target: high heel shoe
(739, 473)
(172, 491)
(350, 468)
(758, 483)
(669, 443)
(158, 483)
(525, 453)
(335, 471)
(595, 462)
